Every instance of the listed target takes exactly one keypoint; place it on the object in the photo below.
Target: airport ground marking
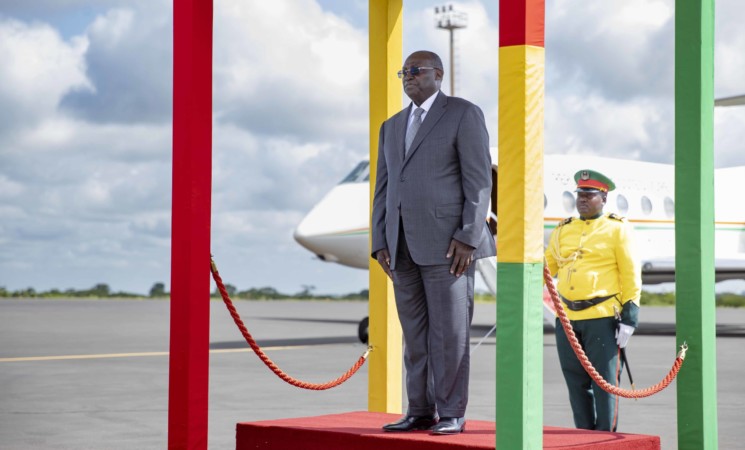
(138, 354)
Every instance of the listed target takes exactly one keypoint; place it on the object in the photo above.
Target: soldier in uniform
(599, 282)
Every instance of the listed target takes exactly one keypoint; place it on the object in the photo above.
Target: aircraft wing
(737, 100)
(662, 270)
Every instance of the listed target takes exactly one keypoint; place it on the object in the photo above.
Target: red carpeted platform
(361, 431)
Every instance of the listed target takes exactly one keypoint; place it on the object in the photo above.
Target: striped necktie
(413, 128)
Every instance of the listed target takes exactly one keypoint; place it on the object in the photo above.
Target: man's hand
(462, 255)
(623, 334)
(384, 259)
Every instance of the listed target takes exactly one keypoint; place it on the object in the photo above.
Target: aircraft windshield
(360, 174)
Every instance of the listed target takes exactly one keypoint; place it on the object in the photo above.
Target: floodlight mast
(448, 19)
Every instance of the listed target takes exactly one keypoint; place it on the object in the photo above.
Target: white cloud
(305, 79)
(591, 124)
(129, 63)
(40, 6)
(90, 183)
(729, 63)
(729, 135)
(38, 69)
(274, 173)
(113, 28)
(85, 122)
(621, 50)
(610, 79)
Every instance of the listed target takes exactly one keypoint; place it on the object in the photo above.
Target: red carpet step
(361, 431)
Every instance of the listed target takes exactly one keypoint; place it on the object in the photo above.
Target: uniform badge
(585, 175)
(566, 221)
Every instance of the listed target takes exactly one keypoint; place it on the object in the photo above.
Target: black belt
(580, 305)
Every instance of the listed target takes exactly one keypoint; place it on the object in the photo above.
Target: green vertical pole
(694, 222)
(519, 418)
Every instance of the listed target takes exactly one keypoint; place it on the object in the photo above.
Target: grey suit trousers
(435, 309)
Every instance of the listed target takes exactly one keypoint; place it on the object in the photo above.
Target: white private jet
(337, 228)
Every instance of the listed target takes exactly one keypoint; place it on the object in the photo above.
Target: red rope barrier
(265, 359)
(607, 387)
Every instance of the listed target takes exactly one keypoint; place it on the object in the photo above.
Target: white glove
(623, 334)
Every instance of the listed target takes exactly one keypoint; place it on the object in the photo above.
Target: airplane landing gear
(363, 330)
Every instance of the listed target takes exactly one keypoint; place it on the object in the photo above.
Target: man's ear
(438, 74)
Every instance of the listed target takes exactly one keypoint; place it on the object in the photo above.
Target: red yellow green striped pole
(694, 223)
(519, 416)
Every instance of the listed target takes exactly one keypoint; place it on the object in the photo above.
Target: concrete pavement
(78, 374)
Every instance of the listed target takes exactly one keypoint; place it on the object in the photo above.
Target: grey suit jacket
(440, 190)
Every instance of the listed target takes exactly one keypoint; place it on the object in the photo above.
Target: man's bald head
(432, 57)
(427, 81)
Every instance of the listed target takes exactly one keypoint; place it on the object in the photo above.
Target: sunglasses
(413, 71)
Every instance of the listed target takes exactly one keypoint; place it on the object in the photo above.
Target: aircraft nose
(306, 234)
(321, 221)
(336, 229)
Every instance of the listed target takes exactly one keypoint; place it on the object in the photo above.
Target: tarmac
(92, 374)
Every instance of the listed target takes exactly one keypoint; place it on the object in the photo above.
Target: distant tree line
(727, 300)
(269, 293)
(158, 290)
(100, 290)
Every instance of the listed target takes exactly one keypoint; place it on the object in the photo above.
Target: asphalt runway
(93, 374)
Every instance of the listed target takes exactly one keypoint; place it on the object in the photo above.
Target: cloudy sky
(85, 122)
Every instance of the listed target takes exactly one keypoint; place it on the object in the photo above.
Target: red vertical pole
(190, 226)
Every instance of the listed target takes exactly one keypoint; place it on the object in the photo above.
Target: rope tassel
(577, 347)
(265, 359)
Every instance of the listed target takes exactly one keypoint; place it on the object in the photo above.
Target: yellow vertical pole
(386, 57)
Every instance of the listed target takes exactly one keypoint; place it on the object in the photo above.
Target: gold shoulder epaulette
(565, 221)
(615, 216)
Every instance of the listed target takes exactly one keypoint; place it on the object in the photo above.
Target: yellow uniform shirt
(593, 258)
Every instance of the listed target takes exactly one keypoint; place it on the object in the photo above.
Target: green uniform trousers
(593, 408)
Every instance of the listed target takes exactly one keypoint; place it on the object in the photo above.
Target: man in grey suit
(432, 192)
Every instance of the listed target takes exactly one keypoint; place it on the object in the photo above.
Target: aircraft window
(646, 205)
(622, 204)
(568, 200)
(359, 174)
(669, 207)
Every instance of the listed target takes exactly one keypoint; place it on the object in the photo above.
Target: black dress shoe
(450, 425)
(411, 423)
